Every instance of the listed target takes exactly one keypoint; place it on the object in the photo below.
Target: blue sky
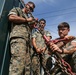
(55, 12)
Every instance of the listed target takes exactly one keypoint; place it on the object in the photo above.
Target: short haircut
(42, 20)
(30, 2)
(63, 24)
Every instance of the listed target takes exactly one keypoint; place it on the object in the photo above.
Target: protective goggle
(30, 7)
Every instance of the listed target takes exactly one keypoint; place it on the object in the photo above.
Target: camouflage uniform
(72, 57)
(69, 58)
(39, 59)
(19, 44)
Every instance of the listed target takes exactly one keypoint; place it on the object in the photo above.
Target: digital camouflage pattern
(19, 44)
(39, 59)
(71, 59)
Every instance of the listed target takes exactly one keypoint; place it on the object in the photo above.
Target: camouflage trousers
(71, 60)
(74, 61)
(35, 64)
(46, 62)
(20, 57)
(39, 61)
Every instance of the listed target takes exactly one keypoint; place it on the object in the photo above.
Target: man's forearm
(69, 51)
(17, 19)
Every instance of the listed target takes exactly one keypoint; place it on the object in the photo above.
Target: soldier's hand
(43, 50)
(68, 38)
(30, 19)
(38, 50)
(55, 48)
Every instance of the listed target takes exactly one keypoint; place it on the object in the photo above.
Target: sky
(55, 12)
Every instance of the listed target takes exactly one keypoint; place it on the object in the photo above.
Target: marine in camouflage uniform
(69, 58)
(69, 49)
(19, 40)
(39, 59)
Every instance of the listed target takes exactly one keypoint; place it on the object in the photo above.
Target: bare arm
(55, 48)
(35, 46)
(17, 19)
(69, 51)
(38, 50)
(34, 43)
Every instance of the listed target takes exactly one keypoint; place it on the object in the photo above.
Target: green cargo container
(5, 6)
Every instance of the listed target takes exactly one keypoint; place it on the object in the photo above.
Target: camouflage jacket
(19, 30)
(40, 41)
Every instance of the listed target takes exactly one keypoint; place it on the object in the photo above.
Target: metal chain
(63, 68)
